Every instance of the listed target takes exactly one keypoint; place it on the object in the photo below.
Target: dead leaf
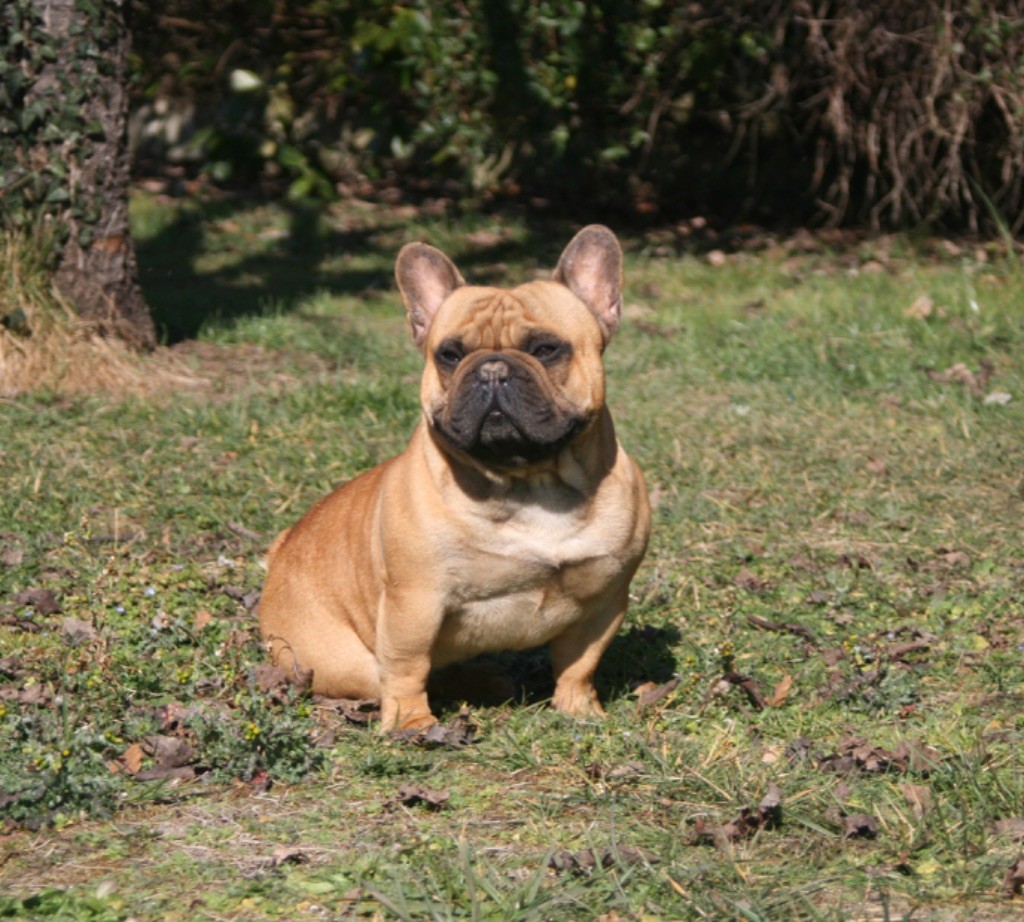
(411, 795)
(284, 854)
(169, 751)
(585, 860)
(1013, 828)
(877, 466)
(131, 758)
(458, 733)
(916, 757)
(261, 782)
(902, 652)
(650, 693)
(76, 630)
(751, 582)
(36, 693)
(749, 686)
(770, 808)
(42, 600)
(276, 681)
(201, 618)
(168, 773)
(854, 826)
(956, 560)
(1013, 882)
(975, 382)
(781, 692)
(579, 862)
(855, 561)
(355, 710)
(917, 796)
(11, 557)
(767, 815)
(921, 309)
(248, 599)
(856, 753)
(238, 529)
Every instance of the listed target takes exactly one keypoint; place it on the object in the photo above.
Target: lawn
(816, 708)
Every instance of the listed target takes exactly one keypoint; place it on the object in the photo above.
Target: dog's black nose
(494, 372)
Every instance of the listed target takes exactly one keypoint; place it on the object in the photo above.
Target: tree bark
(97, 268)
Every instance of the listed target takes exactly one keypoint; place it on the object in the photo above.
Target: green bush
(843, 112)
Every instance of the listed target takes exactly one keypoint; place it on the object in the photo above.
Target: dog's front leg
(576, 653)
(406, 630)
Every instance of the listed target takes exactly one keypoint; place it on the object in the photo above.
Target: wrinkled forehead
(503, 318)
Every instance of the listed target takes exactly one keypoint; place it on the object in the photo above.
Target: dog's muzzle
(500, 414)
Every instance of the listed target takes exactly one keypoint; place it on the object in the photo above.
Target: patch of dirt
(225, 370)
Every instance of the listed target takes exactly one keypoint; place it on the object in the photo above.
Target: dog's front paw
(579, 701)
(408, 713)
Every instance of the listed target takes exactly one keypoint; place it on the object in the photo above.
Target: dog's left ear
(591, 268)
(425, 277)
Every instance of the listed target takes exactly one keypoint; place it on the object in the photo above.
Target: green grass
(806, 467)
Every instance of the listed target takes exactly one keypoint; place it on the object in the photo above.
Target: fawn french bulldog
(512, 519)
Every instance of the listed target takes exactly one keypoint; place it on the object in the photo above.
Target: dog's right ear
(591, 267)
(425, 277)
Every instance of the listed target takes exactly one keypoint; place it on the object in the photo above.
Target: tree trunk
(73, 140)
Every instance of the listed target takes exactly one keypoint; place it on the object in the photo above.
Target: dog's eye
(449, 355)
(545, 351)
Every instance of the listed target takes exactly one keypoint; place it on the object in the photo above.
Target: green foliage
(60, 904)
(877, 113)
(255, 735)
(48, 117)
(47, 85)
(60, 747)
(54, 767)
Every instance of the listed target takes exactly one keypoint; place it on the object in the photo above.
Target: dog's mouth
(505, 421)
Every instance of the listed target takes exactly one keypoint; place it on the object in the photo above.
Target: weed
(54, 771)
(251, 737)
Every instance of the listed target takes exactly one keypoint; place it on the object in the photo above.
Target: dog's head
(514, 375)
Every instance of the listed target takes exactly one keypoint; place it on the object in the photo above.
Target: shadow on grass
(302, 261)
(184, 299)
(640, 654)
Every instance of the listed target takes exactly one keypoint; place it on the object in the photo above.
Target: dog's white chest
(520, 587)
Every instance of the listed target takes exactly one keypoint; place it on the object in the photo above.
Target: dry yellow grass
(45, 346)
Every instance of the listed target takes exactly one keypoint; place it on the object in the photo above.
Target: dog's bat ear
(425, 277)
(591, 268)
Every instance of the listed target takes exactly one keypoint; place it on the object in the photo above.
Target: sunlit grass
(807, 470)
